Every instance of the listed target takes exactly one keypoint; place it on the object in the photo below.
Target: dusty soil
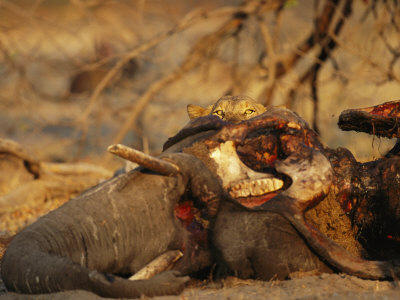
(324, 286)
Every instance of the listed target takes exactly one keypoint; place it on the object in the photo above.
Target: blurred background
(77, 76)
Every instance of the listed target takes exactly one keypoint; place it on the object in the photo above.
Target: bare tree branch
(193, 60)
(328, 46)
(195, 57)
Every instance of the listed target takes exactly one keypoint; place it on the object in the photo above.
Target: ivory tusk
(150, 162)
(160, 264)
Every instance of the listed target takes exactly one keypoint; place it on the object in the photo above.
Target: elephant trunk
(61, 273)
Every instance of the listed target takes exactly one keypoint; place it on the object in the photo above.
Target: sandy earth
(324, 286)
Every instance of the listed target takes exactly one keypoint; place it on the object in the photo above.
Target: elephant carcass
(116, 228)
(273, 170)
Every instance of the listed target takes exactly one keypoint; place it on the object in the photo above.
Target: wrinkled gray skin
(262, 245)
(114, 228)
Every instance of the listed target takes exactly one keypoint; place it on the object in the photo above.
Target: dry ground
(325, 286)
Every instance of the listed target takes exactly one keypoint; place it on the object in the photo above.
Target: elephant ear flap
(311, 174)
(196, 111)
(311, 177)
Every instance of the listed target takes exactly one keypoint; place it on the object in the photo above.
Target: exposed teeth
(255, 187)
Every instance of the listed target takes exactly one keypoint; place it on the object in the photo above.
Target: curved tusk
(162, 263)
(152, 163)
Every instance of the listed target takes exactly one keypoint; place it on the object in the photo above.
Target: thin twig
(327, 48)
(285, 63)
(357, 52)
(32, 19)
(270, 51)
(189, 20)
(320, 31)
(193, 59)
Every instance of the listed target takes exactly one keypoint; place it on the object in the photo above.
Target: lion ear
(195, 111)
(261, 108)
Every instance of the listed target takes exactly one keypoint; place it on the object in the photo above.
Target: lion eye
(219, 113)
(249, 112)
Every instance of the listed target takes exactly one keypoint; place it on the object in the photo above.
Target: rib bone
(150, 162)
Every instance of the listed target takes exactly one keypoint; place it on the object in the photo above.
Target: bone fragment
(160, 264)
(150, 162)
